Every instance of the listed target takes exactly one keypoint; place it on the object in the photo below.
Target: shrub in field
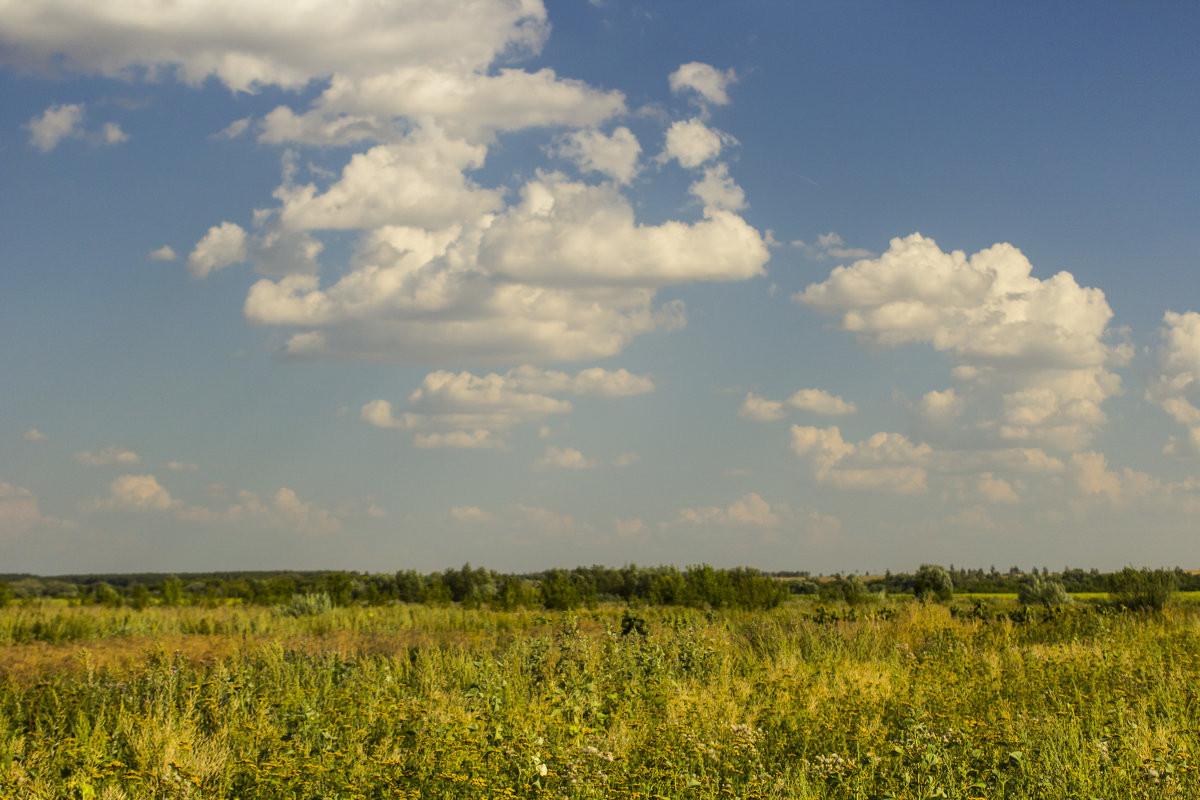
(1042, 591)
(750, 589)
(106, 595)
(309, 604)
(139, 597)
(931, 581)
(1142, 589)
(849, 588)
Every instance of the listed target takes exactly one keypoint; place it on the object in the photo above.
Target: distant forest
(700, 585)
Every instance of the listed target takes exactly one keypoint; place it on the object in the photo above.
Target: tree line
(563, 589)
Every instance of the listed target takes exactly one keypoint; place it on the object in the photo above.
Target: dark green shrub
(1042, 591)
(933, 582)
(558, 592)
(1141, 589)
(849, 589)
(750, 589)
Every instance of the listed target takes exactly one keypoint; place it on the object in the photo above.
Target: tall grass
(908, 701)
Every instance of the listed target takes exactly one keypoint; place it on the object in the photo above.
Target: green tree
(172, 591)
(139, 598)
(931, 581)
(558, 592)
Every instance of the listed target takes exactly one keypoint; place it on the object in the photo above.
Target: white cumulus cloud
(759, 409)
(223, 245)
(692, 143)
(55, 124)
(1031, 354)
(614, 155)
(136, 493)
(563, 458)
(819, 401)
(705, 80)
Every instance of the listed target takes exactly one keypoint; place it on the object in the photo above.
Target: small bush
(1045, 592)
(1141, 589)
(931, 581)
(849, 589)
(309, 604)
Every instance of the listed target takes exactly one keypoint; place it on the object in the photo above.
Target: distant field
(805, 701)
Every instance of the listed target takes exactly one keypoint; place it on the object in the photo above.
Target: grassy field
(901, 700)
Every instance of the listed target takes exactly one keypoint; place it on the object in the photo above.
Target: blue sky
(836, 287)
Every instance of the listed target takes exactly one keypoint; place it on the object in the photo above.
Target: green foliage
(106, 595)
(559, 591)
(849, 589)
(139, 597)
(933, 582)
(1141, 589)
(1045, 592)
(6, 595)
(1068, 702)
(172, 591)
(309, 604)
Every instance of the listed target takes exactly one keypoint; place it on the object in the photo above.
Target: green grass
(904, 701)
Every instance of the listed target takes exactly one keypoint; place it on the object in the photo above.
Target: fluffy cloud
(416, 182)
(819, 401)
(569, 233)
(222, 246)
(164, 253)
(940, 408)
(285, 510)
(996, 489)
(65, 121)
(565, 274)
(111, 133)
(136, 493)
(717, 191)
(886, 462)
(1175, 382)
(248, 45)
(615, 156)
(34, 435)
(703, 79)
(1030, 354)
(55, 124)
(20, 513)
(760, 409)
(816, 401)
(475, 411)
(18, 509)
(443, 267)
(109, 455)
(750, 510)
(691, 143)
(563, 458)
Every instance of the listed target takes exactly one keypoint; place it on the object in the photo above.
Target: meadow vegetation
(857, 695)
